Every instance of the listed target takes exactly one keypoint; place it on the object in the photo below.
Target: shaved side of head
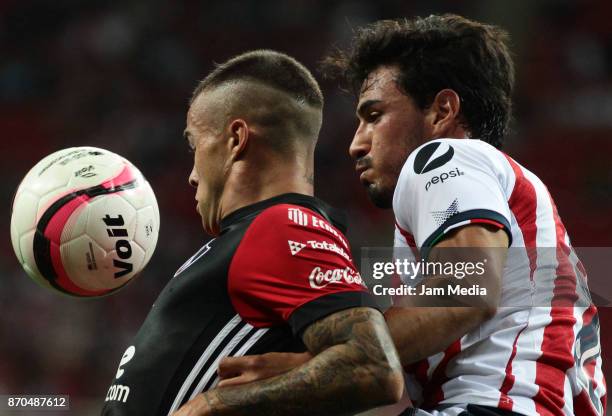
(271, 91)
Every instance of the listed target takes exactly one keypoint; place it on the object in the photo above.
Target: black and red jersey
(277, 266)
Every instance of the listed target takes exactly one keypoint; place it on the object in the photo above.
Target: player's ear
(443, 113)
(238, 138)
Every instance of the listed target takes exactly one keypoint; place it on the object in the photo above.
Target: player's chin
(380, 197)
(211, 228)
(207, 223)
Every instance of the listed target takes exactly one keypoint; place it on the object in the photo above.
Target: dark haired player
(434, 105)
(277, 276)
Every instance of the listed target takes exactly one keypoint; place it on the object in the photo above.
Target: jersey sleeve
(446, 184)
(293, 267)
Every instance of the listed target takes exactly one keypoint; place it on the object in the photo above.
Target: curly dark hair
(435, 53)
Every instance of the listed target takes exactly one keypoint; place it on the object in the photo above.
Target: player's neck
(450, 132)
(251, 183)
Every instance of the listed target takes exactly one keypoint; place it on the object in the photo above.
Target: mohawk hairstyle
(435, 53)
(271, 68)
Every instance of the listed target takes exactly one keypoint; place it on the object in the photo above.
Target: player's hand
(241, 370)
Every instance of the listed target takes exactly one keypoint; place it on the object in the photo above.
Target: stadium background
(119, 76)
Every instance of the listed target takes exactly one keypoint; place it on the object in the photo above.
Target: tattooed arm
(355, 367)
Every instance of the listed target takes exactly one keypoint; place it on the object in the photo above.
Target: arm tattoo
(354, 368)
(213, 410)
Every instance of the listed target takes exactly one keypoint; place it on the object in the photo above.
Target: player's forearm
(345, 378)
(419, 332)
(330, 383)
(425, 325)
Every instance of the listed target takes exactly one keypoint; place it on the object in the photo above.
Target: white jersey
(532, 359)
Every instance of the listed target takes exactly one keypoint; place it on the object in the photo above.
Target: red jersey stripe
(486, 221)
(505, 401)
(523, 204)
(433, 393)
(557, 344)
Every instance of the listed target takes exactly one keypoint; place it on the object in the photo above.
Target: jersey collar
(333, 215)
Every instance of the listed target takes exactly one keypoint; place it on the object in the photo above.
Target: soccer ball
(84, 222)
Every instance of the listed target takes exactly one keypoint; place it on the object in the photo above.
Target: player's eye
(372, 116)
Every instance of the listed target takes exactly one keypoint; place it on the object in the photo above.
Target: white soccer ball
(84, 222)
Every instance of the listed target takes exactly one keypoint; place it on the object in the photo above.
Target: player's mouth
(362, 171)
(363, 167)
(363, 178)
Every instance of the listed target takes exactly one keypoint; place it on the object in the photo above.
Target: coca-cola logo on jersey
(320, 278)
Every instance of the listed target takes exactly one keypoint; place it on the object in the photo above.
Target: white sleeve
(449, 183)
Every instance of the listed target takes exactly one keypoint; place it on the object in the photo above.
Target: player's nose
(193, 178)
(360, 145)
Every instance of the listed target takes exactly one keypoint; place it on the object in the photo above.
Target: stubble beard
(380, 197)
